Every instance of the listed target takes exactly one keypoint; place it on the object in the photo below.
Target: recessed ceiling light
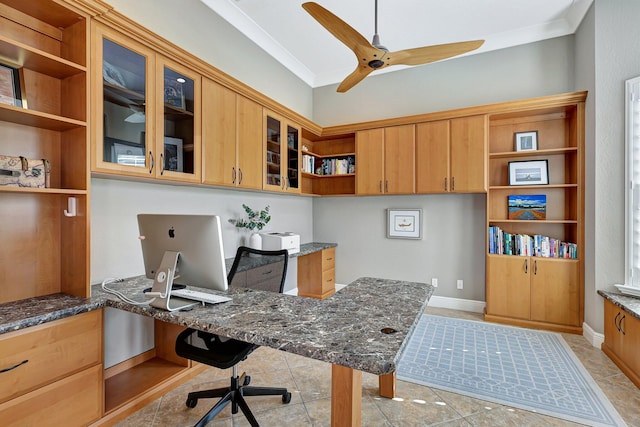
(181, 80)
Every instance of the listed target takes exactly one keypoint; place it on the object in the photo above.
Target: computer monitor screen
(198, 238)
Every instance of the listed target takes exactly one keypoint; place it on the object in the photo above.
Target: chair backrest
(258, 269)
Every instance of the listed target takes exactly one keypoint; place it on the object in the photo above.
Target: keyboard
(199, 296)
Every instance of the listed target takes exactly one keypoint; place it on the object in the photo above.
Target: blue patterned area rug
(517, 367)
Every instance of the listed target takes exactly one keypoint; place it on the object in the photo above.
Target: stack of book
(333, 166)
(504, 243)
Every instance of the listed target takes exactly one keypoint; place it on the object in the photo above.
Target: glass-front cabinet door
(124, 124)
(282, 154)
(178, 145)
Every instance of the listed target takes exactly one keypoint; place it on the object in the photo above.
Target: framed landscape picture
(528, 206)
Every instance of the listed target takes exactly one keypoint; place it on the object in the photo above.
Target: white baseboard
(594, 338)
(457, 304)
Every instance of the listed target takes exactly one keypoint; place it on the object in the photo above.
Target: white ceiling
(288, 33)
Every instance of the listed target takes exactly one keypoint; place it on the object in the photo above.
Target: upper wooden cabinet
(451, 155)
(281, 154)
(385, 160)
(231, 138)
(148, 123)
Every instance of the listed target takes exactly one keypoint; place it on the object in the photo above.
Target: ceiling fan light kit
(374, 56)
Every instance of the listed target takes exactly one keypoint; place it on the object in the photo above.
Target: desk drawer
(328, 280)
(328, 259)
(52, 350)
(267, 277)
(72, 401)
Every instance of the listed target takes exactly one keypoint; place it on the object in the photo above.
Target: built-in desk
(344, 330)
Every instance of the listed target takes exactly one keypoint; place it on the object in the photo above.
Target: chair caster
(247, 380)
(286, 398)
(191, 403)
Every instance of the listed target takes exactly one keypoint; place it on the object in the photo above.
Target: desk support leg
(387, 385)
(346, 397)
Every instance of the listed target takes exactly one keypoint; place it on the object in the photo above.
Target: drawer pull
(329, 280)
(329, 259)
(267, 272)
(11, 368)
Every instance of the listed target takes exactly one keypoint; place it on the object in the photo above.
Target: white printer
(284, 240)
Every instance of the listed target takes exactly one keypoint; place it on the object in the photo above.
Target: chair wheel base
(191, 403)
(247, 380)
(286, 398)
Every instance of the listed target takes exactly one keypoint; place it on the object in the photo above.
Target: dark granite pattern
(628, 303)
(344, 329)
(37, 310)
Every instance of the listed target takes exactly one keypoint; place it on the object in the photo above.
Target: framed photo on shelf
(528, 206)
(526, 141)
(173, 154)
(533, 172)
(173, 93)
(12, 86)
(404, 223)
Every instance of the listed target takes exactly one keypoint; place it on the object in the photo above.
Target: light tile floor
(310, 384)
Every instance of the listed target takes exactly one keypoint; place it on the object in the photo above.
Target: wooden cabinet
(45, 251)
(540, 290)
(57, 372)
(386, 160)
(148, 123)
(231, 138)
(622, 340)
(451, 155)
(555, 291)
(281, 154)
(317, 274)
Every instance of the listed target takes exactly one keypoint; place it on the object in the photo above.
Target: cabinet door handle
(535, 267)
(386, 186)
(11, 368)
(240, 178)
(445, 183)
(233, 175)
(526, 266)
(161, 163)
(615, 322)
(621, 326)
(381, 186)
(453, 183)
(152, 162)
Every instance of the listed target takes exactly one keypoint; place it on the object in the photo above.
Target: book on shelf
(504, 243)
(332, 166)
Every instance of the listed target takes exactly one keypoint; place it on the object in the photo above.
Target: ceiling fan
(374, 56)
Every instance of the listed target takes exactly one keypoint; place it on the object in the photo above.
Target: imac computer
(181, 249)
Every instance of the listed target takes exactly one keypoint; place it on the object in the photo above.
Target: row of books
(504, 243)
(333, 166)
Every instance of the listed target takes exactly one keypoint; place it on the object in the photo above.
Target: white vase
(255, 241)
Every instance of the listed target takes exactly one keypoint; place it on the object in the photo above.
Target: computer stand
(162, 283)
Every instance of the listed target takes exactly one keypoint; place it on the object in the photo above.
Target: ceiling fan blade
(426, 54)
(336, 26)
(354, 78)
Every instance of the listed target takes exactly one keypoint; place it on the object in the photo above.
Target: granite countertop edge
(628, 303)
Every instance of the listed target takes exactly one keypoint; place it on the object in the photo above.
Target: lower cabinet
(534, 291)
(622, 340)
(54, 374)
(317, 274)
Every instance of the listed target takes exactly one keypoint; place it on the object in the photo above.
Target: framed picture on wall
(404, 223)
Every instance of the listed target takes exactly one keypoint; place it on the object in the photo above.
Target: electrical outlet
(460, 284)
(434, 282)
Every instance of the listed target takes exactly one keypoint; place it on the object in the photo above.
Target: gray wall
(452, 246)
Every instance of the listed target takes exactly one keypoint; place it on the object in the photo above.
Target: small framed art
(528, 206)
(533, 172)
(526, 141)
(404, 223)
(11, 86)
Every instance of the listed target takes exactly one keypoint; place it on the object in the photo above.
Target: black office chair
(252, 268)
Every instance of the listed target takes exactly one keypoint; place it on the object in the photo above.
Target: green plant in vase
(255, 220)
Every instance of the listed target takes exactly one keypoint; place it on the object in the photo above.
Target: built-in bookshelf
(328, 165)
